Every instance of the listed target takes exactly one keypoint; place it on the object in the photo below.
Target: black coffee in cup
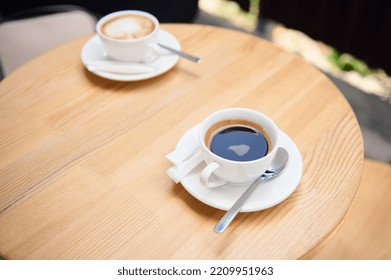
(238, 140)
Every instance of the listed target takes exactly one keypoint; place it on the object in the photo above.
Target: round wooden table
(83, 166)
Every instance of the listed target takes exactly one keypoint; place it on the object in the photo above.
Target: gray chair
(35, 31)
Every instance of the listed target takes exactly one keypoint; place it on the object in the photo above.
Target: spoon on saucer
(276, 168)
(181, 53)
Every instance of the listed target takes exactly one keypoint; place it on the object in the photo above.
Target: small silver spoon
(276, 168)
(181, 53)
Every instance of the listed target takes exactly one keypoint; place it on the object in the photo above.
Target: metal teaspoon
(181, 53)
(276, 168)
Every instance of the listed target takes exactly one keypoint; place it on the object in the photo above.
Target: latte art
(127, 27)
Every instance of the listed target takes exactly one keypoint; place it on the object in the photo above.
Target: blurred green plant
(248, 20)
(346, 62)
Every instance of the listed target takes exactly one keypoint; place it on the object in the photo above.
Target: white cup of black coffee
(129, 35)
(237, 145)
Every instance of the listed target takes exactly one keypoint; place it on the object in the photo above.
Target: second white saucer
(93, 51)
(268, 194)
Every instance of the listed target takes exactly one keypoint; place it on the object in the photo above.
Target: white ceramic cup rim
(270, 122)
(126, 12)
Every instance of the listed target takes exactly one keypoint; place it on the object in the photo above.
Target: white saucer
(268, 194)
(93, 51)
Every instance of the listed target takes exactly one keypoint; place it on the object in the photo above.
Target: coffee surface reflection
(238, 141)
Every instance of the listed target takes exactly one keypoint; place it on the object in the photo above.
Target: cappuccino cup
(129, 36)
(237, 145)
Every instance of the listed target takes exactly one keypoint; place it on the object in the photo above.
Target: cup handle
(152, 55)
(206, 176)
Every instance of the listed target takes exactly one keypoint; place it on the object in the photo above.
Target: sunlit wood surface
(83, 167)
(366, 232)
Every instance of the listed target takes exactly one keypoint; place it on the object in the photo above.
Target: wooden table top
(83, 166)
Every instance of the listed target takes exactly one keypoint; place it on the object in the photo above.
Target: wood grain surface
(83, 167)
(365, 233)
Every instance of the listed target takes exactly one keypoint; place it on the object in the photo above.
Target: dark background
(358, 27)
(164, 10)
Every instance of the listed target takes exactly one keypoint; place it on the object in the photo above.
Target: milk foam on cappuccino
(125, 27)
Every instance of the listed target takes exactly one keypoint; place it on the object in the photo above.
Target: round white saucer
(268, 194)
(93, 51)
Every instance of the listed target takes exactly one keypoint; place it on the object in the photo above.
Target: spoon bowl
(277, 166)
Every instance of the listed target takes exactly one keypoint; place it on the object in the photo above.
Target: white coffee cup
(129, 36)
(220, 170)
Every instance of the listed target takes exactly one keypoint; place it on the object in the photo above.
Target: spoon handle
(181, 53)
(234, 210)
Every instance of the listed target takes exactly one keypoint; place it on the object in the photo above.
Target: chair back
(23, 39)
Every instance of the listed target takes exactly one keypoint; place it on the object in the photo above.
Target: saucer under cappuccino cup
(129, 36)
(237, 145)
